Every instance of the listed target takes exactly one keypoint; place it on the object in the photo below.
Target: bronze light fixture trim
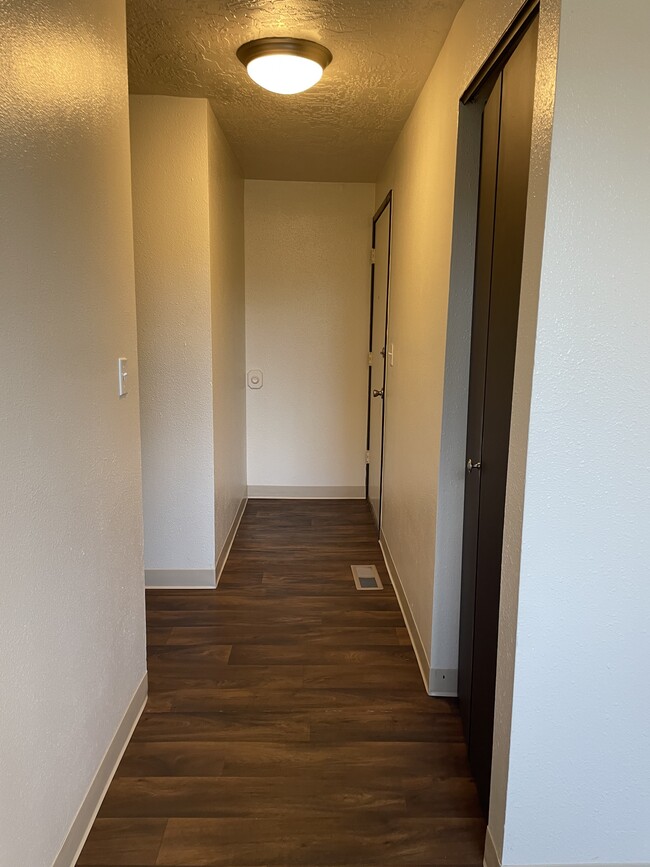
(283, 64)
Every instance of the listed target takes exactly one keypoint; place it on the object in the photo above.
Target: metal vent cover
(366, 578)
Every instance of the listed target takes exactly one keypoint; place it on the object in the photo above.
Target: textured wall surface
(421, 172)
(307, 320)
(578, 789)
(228, 322)
(171, 215)
(340, 130)
(549, 28)
(71, 572)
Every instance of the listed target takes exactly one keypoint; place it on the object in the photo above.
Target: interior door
(378, 333)
(503, 189)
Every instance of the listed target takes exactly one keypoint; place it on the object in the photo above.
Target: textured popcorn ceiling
(342, 129)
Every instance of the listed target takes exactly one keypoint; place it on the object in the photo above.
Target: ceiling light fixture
(284, 65)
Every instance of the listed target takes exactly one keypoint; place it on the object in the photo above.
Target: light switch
(391, 355)
(255, 378)
(123, 374)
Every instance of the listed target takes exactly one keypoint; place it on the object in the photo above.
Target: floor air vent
(366, 578)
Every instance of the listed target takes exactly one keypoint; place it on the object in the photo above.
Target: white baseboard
(287, 492)
(443, 682)
(83, 821)
(180, 579)
(491, 859)
(195, 579)
(490, 856)
(438, 682)
(416, 640)
(230, 538)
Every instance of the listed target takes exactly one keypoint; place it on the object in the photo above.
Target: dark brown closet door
(505, 157)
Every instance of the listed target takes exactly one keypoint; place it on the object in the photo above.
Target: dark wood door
(379, 303)
(505, 157)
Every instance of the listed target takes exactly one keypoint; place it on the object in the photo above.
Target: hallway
(287, 722)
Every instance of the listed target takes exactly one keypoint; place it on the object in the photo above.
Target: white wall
(188, 207)
(577, 789)
(71, 572)
(425, 441)
(171, 215)
(307, 320)
(228, 324)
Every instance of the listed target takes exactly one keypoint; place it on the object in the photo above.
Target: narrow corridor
(287, 722)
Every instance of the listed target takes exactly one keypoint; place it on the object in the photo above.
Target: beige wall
(578, 513)
(72, 652)
(569, 781)
(307, 320)
(426, 389)
(226, 189)
(171, 216)
(189, 236)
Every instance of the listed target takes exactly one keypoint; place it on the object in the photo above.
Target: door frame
(450, 501)
(387, 203)
(480, 86)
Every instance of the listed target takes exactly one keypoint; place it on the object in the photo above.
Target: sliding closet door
(505, 157)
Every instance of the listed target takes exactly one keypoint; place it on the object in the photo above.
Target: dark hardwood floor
(287, 723)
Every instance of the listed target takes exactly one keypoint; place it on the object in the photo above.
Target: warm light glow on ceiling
(284, 65)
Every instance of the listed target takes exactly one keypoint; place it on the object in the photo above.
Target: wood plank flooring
(287, 723)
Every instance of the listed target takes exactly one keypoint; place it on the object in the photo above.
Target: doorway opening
(379, 353)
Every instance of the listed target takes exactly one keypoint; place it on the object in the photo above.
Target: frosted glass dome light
(284, 65)
(285, 73)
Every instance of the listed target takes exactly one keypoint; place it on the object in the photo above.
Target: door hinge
(370, 359)
(367, 457)
(373, 256)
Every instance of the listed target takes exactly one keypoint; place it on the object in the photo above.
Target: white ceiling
(344, 128)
